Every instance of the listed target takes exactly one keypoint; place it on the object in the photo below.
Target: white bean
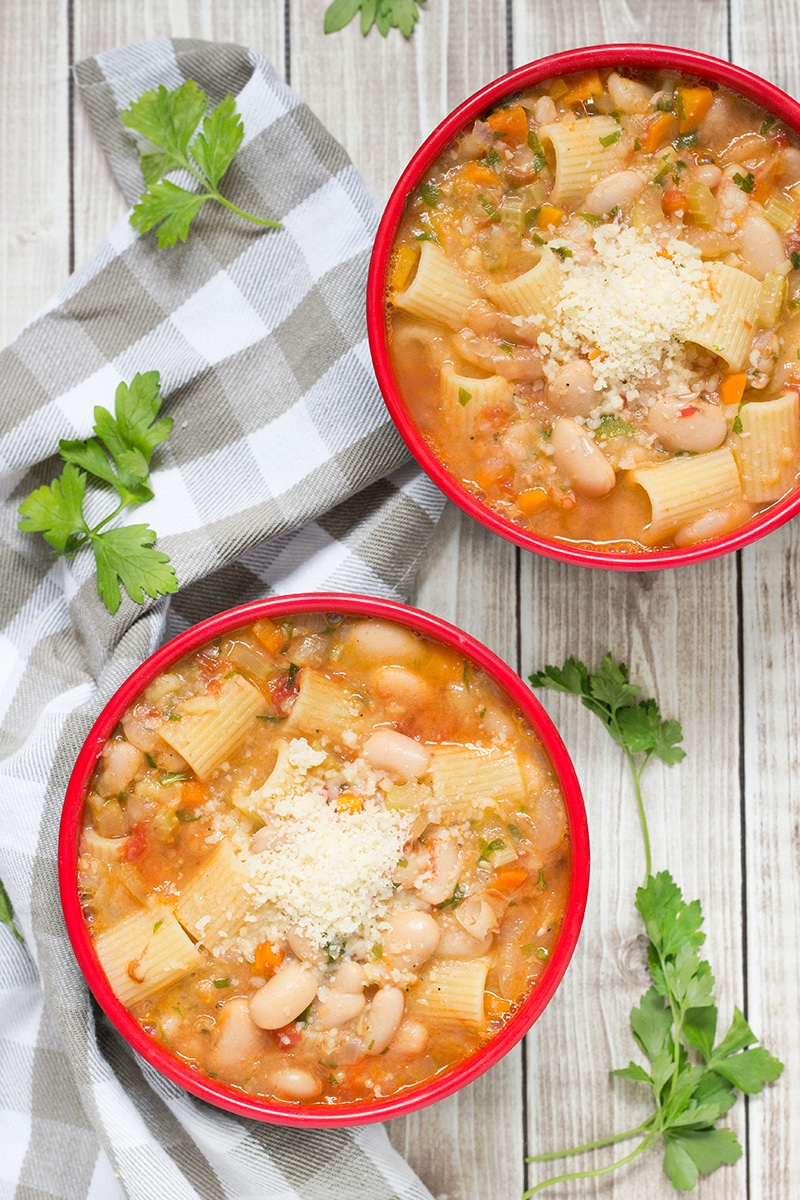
(688, 423)
(382, 1019)
(388, 750)
(439, 880)
(240, 1040)
(456, 942)
(411, 1039)
(303, 947)
(292, 1083)
(761, 245)
(581, 459)
(411, 939)
(383, 641)
(707, 173)
(544, 110)
(402, 684)
(629, 95)
(120, 762)
(333, 1009)
(284, 997)
(571, 390)
(713, 524)
(615, 191)
(349, 977)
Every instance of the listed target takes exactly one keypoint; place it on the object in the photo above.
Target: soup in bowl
(323, 859)
(584, 306)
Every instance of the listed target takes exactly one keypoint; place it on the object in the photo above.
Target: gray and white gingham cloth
(282, 474)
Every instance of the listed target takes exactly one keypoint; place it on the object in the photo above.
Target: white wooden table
(718, 644)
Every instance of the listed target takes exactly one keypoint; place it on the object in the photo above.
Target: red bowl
(634, 55)
(212, 1090)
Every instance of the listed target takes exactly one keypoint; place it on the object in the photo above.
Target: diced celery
(702, 204)
(647, 212)
(512, 215)
(770, 301)
(781, 211)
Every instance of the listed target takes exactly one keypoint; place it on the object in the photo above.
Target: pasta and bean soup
(323, 858)
(593, 307)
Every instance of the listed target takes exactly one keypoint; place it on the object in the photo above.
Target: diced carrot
(584, 88)
(509, 879)
(549, 215)
(512, 123)
(267, 958)
(673, 200)
(349, 802)
(487, 479)
(557, 89)
(531, 500)
(478, 173)
(732, 388)
(270, 635)
(403, 263)
(193, 792)
(693, 103)
(660, 130)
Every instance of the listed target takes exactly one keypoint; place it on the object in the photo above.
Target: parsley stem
(596, 1171)
(241, 213)
(596, 1145)
(637, 776)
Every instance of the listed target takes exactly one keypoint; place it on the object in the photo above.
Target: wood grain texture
(34, 187)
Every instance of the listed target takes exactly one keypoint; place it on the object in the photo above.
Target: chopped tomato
(673, 200)
(136, 843)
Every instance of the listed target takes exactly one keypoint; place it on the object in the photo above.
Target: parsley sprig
(383, 14)
(169, 121)
(7, 913)
(118, 456)
(693, 1079)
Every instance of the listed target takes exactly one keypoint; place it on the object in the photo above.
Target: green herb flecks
(456, 898)
(464, 396)
(610, 138)
(118, 456)
(562, 252)
(539, 156)
(430, 193)
(745, 182)
(383, 14)
(612, 426)
(170, 122)
(692, 1078)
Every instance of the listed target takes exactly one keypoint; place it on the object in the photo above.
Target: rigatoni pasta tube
(144, 953)
(322, 706)
(439, 291)
(684, 488)
(728, 332)
(453, 991)
(214, 903)
(466, 778)
(210, 727)
(767, 450)
(585, 149)
(534, 293)
(464, 398)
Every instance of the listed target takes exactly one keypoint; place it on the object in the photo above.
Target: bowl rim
(629, 54)
(230, 1098)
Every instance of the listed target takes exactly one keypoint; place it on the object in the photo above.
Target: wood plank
(34, 170)
(98, 204)
(771, 48)
(659, 624)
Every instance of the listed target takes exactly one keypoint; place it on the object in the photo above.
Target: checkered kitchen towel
(282, 474)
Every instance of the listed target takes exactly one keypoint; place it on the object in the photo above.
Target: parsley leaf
(692, 1081)
(6, 913)
(117, 456)
(169, 122)
(745, 182)
(383, 14)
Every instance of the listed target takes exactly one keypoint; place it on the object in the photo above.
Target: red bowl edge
(631, 54)
(228, 1098)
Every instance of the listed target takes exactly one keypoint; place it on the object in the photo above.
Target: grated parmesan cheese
(630, 310)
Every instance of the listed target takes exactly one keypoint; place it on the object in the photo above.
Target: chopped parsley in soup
(593, 310)
(323, 859)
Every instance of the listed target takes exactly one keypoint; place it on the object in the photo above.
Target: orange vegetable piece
(732, 388)
(478, 173)
(673, 200)
(549, 215)
(659, 131)
(496, 1006)
(512, 123)
(349, 802)
(694, 102)
(584, 88)
(270, 635)
(531, 500)
(267, 958)
(510, 879)
(403, 263)
(193, 792)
